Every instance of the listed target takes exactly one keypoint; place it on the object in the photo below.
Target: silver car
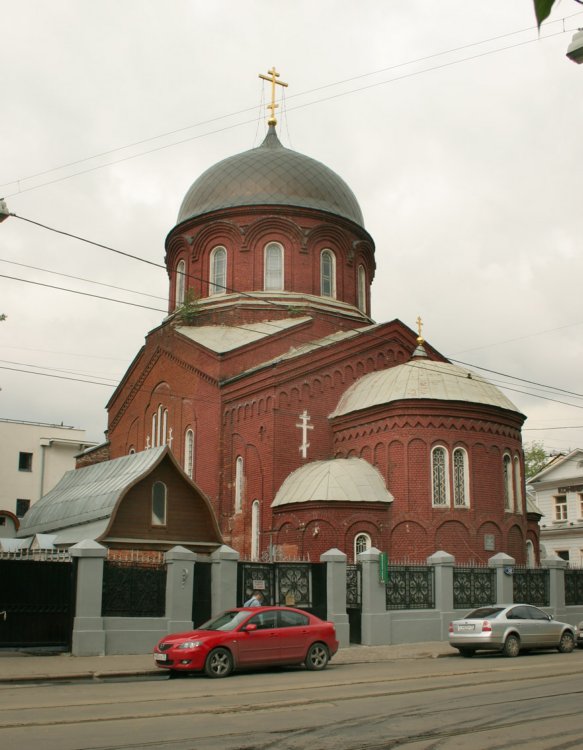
(510, 629)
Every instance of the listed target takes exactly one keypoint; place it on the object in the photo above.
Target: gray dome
(270, 175)
(421, 379)
(337, 480)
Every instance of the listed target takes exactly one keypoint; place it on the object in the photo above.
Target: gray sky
(459, 132)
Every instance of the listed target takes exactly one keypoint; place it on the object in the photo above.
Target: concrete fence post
(556, 567)
(336, 593)
(443, 564)
(375, 620)
(224, 578)
(179, 579)
(504, 566)
(88, 630)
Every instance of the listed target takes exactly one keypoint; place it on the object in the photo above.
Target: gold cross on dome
(272, 78)
(420, 339)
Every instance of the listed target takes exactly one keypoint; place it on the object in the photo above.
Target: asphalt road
(486, 703)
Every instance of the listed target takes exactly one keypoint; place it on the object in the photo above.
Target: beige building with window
(33, 457)
(559, 495)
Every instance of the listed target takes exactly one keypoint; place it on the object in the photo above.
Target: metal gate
(201, 593)
(354, 601)
(37, 603)
(301, 585)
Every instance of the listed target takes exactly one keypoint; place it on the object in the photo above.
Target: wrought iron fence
(410, 587)
(473, 587)
(281, 583)
(531, 586)
(353, 586)
(573, 586)
(37, 555)
(133, 591)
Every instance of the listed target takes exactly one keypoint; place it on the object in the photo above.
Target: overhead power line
(251, 296)
(314, 102)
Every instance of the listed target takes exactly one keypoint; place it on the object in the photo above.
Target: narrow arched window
(518, 484)
(180, 283)
(461, 495)
(530, 556)
(362, 542)
(189, 453)
(273, 267)
(255, 530)
(327, 274)
(158, 504)
(218, 271)
(361, 289)
(508, 483)
(439, 472)
(154, 429)
(238, 484)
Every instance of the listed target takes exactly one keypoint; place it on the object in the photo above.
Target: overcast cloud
(465, 165)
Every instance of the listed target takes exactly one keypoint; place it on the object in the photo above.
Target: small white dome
(342, 479)
(421, 379)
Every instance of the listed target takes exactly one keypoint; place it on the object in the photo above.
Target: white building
(559, 495)
(33, 457)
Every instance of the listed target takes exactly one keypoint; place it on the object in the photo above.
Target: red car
(250, 637)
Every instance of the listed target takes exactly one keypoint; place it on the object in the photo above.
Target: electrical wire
(289, 108)
(158, 265)
(81, 278)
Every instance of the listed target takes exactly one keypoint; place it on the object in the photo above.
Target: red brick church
(308, 425)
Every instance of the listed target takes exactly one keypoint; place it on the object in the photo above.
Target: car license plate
(160, 657)
(465, 628)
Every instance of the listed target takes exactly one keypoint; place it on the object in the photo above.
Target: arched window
(508, 483)
(362, 542)
(361, 289)
(461, 494)
(218, 271)
(273, 267)
(530, 556)
(255, 530)
(518, 484)
(180, 283)
(131, 450)
(238, 484)
(159, 426)
(327, 274)
(189, 453)
(158, 504)
(439, 473)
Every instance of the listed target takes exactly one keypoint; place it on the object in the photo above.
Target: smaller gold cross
(272, 78)
(420, 339)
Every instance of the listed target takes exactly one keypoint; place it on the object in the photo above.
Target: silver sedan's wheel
(511, 646)
(467, 652)
(317, 657)
(567, 643)
(219, 663)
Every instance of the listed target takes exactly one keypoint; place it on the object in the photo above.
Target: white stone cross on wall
(305, 417)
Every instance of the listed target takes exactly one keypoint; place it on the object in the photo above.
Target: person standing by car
(256, 600)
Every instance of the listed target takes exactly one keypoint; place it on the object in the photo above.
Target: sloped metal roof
(89, 494)
(421, 379)
(341, 480)
(270, 175)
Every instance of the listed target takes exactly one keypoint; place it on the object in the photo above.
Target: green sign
(384, 567)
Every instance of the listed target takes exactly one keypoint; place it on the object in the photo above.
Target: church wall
(307, 530)
(303, 234)
(312, 385)
(410, 431)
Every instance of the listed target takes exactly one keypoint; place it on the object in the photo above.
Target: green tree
(535, 458)
(542, 9)
(2, 316)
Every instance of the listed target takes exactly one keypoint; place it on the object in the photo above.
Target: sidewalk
(33, 666)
